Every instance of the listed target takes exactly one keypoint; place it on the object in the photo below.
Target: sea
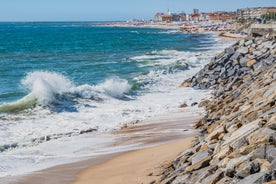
(62, 82)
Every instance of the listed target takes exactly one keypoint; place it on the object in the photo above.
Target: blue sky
(91, 10)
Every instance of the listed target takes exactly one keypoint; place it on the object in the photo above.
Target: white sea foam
(96, 107)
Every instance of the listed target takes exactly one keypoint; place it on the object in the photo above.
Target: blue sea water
(84, 53)
(63, 79)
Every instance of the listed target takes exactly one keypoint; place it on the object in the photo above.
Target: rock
(237, 161)
(194, 104)
(263, 163)
(244, 60)
(198, 165)
(230, 50)
(224, 152)
(212, 179)
(270, 91)
(250, 63)
(243, 50)
(260, 136)
(216, 133)
(257, 53)
(271, 153)
(183, 105)
(249, 42)
(180, 179)
(203, 103)
(259, 178)
(186, 84)
(199, 156)
(245, 169)
(243, 131)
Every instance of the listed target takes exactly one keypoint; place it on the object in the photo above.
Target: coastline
(145, 141)
(151, 138)
(140, 166)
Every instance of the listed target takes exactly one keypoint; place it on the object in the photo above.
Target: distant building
(221, 16)
(252, 13)
(158, 17)
(179, 17)
(170, 17)
(194, 17)
(195, 11)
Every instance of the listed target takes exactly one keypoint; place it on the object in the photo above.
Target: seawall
(238, 134)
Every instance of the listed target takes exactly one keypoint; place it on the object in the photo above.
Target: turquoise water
(84, 53)
(59, 81)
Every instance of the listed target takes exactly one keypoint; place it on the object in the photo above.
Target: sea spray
(75, 68)
(45, 85)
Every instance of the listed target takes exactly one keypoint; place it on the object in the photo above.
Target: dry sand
(135, 167)
(175, 135)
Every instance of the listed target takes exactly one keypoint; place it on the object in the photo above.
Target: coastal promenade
(263, 29)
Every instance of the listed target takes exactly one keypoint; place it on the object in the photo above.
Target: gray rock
(199, 156)
(230, 50)
(270, 91)
(270, 60)
(182, 168)
(232, 71)
(271, 153)
(253, 179)
(257, 53)
(239, 143)
(181, 179)
(217, 69)
(249, 42)
(243, 61)
(242, 132)
(273, 165)
(243, 50)
(259, 152)
(241, 42)
(235, 56)
(245, 170)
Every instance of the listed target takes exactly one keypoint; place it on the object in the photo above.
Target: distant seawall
(263, 30)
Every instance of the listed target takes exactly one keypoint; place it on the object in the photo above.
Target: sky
(112, 10)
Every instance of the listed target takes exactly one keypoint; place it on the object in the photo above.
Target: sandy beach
(151, 144)
(141, 166)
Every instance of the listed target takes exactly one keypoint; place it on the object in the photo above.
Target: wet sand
(148, 145)
(141, 166)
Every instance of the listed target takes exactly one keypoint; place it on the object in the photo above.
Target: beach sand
(135, 167)
(152, 144)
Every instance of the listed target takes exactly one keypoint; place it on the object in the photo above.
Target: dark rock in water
(194, 104)
(183, 105)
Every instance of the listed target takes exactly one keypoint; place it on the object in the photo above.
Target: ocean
(63, 81)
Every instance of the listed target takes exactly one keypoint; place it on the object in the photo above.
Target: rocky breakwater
(237, 141)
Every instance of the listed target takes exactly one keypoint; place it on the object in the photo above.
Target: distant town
(245, 14)
(235, 24)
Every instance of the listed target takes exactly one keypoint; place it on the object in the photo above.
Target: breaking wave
(53, 89)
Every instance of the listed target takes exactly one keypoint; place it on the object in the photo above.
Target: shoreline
(139, 166)
(147, 135)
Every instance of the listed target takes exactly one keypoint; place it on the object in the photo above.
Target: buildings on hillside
(213, 17)
(253, 13)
